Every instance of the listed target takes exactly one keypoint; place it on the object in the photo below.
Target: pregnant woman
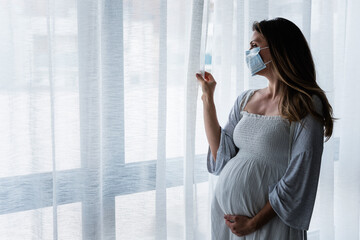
(268, 155)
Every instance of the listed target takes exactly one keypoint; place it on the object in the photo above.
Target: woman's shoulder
(309, 125)
(245, 94)
(318, 105)
(308, 133)
(242, 98)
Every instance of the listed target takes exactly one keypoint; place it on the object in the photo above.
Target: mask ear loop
(265, 48)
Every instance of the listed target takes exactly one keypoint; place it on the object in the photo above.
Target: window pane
(135, 214)
(34, 224)
(69, 221)
(25, 96)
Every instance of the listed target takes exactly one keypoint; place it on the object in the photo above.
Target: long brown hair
(293, 63)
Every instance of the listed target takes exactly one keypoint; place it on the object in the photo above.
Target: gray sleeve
(227, 148)
(293, 197)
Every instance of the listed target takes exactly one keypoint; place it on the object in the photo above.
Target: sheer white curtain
(98, 120)
(102, 135)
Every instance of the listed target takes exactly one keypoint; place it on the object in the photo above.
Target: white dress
(257, 167)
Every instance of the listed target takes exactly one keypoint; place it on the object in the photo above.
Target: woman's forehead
(257, 37)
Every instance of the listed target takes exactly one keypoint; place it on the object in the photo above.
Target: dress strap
(244, 101)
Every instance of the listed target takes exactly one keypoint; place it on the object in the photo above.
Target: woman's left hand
(240, 225)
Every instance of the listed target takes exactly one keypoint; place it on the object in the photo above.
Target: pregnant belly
(242, 186)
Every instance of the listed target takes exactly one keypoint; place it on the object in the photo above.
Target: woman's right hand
(208, 84)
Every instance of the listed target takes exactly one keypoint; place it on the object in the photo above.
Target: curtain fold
(347, 196)
(191, 93)
(102, 133)
(161, 232)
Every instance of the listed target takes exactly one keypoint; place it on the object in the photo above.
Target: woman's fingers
(209, 77)
(200, 78)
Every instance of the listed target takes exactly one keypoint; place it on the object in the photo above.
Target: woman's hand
(208, 84)
(240, 225)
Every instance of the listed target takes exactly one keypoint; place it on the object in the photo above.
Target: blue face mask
(254, 61)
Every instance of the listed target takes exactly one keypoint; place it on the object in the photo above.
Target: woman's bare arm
(212, 127)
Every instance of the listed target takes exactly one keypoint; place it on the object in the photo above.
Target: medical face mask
(254, 61)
